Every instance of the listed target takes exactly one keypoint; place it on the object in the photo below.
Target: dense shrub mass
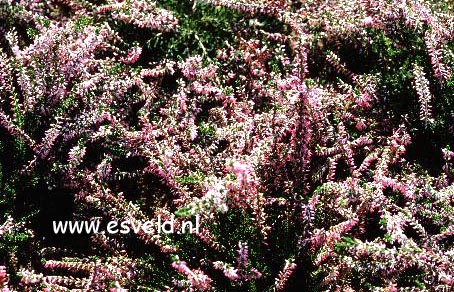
(312, 139)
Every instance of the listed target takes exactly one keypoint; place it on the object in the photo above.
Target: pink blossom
(133, 55)
(368, 21)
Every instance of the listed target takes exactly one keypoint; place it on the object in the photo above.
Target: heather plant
(312, 140)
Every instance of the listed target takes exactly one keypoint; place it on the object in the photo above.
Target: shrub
(312, 142)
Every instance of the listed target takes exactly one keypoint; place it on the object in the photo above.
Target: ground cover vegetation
(314, 140)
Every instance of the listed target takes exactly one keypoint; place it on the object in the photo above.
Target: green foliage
(81, 22)
(192, 179)
(202, 30)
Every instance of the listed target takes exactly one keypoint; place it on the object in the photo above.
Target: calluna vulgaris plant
(315, 146)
